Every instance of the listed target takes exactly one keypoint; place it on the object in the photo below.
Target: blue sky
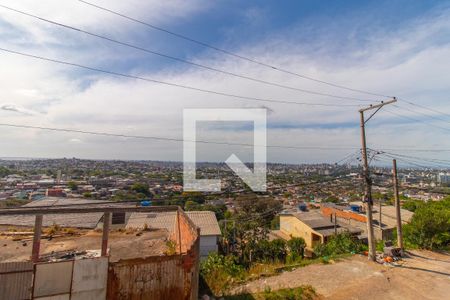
(399, 48)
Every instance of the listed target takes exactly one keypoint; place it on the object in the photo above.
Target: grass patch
(220, 274)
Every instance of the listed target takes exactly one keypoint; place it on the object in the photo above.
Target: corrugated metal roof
(59, 201)
(87, 220)
(205, 220)
(162, 220)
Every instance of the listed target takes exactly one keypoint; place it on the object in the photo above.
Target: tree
(72, 185)
(297, 246)
(278, 250)
(275, 223)
(412, 204)
(269, 251)
(191, 205)
(331, 199)
(252, 223)
(339, 244)
(4, 171)
(430, 226)
(194, 196)
(141, 188)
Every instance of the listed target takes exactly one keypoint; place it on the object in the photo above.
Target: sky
(394, 48)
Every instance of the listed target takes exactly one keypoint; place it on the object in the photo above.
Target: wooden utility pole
(36, 238)
(335, 224)
(368, 182)
(397, 206)
(379, 213)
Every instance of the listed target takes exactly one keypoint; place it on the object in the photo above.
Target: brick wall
(161, 277)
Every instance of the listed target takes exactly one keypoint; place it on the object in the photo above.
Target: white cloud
(397, 64)
(17, 109)
(74, 140)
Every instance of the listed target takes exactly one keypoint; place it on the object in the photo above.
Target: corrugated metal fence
(83, 279)
(156, 277)
(16, 280)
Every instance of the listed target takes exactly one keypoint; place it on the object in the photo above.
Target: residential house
(314, 228)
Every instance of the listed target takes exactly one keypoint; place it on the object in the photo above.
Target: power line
(427, 108)
(438, 162)
(419, 158)
(422, 113)
(411, 162)
(200, 141)
(233, 54)
(168, 139)
(174, 84)
(416, 120)
(218, 70)
(183, 60)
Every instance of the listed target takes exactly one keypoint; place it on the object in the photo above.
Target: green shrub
(220, 272)
(430, 226)
(270, 251)
(297, 247)
(339, 244)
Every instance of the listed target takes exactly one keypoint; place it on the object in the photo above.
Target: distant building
(55, 193)
(443, 178)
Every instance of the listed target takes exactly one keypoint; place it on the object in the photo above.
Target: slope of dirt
(422, 275)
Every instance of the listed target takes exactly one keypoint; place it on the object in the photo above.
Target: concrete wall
(208, 244)
(292, 226)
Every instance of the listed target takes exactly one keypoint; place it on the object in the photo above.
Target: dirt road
(423, 275)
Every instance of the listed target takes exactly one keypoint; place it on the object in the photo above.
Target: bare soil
(422, 275)
(123, 245)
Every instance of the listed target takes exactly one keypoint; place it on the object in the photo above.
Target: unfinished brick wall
(327, 211)
(185, 232)
(161, 277)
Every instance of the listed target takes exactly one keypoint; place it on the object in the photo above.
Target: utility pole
(379, 213)
(368, 182)
(335, 224)
(397, 207)
(105, 234)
